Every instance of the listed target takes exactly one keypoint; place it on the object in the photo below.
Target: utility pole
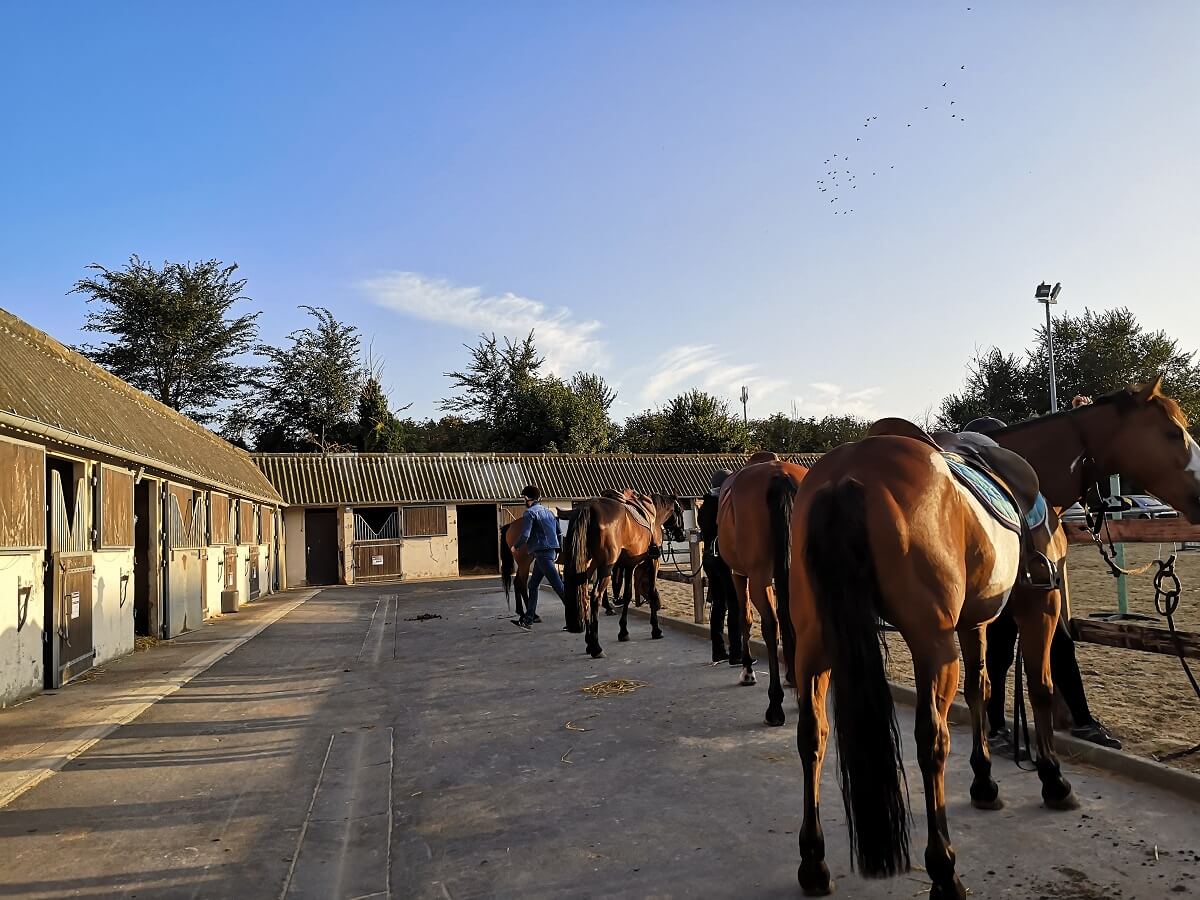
(745, 399)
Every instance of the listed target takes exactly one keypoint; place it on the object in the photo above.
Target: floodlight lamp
(1054, 293)
(1042, 295)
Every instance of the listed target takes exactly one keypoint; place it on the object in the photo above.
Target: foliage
(174, 335)
(798, 434)
(309, 390)
(693, 422)
(1094, 353)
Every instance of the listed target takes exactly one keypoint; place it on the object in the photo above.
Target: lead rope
(1020, 718)
(1166, 603)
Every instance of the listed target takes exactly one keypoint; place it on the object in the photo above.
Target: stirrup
(1027, 580)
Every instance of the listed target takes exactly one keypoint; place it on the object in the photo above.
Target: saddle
(1004, 483)
(640, 508)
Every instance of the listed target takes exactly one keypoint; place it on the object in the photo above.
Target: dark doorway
(478, 540)
(320, 546)
(145, 572)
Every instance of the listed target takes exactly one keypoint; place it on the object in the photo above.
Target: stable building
(361, 517)
(118, 517)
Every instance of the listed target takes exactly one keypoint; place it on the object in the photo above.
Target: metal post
(1114, 489)
(745, 398)
(1050, 347)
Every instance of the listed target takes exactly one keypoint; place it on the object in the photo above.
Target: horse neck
(662, 512)
(1056, 447)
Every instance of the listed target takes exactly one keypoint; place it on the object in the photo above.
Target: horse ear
(1149, 391)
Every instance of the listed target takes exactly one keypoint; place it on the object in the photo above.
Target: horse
(889, 504)
(753, 530)
(603, 535)
(516, 563)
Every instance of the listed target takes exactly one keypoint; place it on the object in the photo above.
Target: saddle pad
(986, 490)
(1036, 517)
(640, 515)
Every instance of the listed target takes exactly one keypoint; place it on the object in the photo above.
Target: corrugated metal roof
(362, 479)
(74, 400)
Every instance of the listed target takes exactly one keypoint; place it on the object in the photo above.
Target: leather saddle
(1006, 470)
(639, 506)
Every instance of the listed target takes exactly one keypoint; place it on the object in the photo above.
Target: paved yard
(350, 751)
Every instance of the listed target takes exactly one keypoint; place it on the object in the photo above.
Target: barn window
(116, 507)
(246, 524)
(424, 521)
(266, 519)
(220, 511)
(22, 496)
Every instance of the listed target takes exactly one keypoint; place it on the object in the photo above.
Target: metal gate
(253, 572)
(70, 639)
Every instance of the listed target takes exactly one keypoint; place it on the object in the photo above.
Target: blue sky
(637, 181)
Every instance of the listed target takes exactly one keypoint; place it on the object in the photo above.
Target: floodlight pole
(745, 398)
(1049, 296)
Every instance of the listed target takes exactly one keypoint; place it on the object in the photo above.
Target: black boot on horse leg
(985, 793)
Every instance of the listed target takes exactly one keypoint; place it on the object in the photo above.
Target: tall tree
(998, 385)
(693, 422)
(309, 389)
(492, 378)
(379, 428)
(174, 335)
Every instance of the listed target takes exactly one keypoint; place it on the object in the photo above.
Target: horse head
(670, 516)
(1148, 440)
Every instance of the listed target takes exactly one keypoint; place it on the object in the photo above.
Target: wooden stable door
(321, 546)
(70, 647)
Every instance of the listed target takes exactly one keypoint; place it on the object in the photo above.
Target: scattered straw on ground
(613, 686)
(145, 643)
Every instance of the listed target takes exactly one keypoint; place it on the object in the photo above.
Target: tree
(997, 385)
(308, 391)
(174, 335)
(787, 434)
(693, 422)
(1094, 353)
(520, 410)
(379, 429)
(492, 378)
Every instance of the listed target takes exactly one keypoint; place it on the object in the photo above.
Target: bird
(909, 125)
(891, 167)
(858, 139)
(951, 102)
(872, 173)
(944, 83)
(927, 107)
(962, 67)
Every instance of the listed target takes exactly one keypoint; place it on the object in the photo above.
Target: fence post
(694, 563)
(1114, 488)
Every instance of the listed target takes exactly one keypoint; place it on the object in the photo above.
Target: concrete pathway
(351, 750)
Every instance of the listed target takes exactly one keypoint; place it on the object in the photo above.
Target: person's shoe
(1096, 733)
(521, 623)
(1000, 738)
(536, 620)
(719, 655)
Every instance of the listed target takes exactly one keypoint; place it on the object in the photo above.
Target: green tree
(492, 377)
(174, 335)
(998, 384)
(787, 434)
(693, 422)
(308, 391)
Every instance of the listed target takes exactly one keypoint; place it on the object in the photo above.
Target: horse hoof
(774, 717)
(952, 891)
(747, 680)
(623, 637)
(815, 880)
(656, 635)
(1064, 803)
(596, 654)
(609, 612)
(986, 796)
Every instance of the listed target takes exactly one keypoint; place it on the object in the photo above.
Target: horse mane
(1124, 399)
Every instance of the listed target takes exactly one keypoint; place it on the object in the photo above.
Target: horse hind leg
(937, 683)
(812, 737)
(764, 602)
(985, 793)
(651, 579)
(592, 640)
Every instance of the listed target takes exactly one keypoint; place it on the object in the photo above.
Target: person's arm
(526, 527)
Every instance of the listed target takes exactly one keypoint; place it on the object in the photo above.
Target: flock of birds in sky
(841, 179)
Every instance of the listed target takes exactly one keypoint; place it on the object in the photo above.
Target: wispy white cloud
(567, 343)
(703, 365)
(824, 399)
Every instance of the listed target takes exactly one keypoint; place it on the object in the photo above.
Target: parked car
(1133, 506)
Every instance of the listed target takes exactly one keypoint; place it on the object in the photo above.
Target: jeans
(543, 565)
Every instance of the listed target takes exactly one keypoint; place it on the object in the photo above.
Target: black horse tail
(781, 493)
(847, 596)
(575, 561)
(508, 564)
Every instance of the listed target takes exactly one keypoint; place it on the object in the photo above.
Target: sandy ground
(1144, 698)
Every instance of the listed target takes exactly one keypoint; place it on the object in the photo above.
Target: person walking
(539, 532)
(721, 597)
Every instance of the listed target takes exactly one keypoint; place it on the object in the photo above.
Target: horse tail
(781, 492)
(847, 596)
(507, 564)
(575, 565)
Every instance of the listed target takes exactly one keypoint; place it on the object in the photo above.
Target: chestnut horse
(882, 529)
(753, 530)
(602, 535)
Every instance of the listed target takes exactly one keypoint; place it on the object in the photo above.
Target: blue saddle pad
(987, 491)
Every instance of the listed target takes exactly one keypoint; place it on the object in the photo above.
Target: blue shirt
(539, 527)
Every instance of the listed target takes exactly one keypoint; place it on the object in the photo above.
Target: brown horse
(889, 506)
(753, 529)
(603, 535)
